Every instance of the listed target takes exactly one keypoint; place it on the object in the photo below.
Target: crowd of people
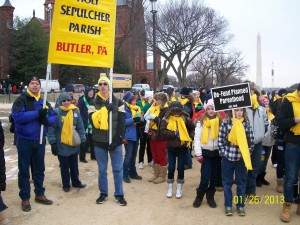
(233, 147)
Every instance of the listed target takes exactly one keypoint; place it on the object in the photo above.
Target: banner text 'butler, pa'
(83, 33)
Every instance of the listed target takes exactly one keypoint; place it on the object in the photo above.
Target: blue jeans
(209, 173)
(31, 153)
(228, 169)
(263, 164)
(69, 166)
(280, 170)
(292, 165)
(188, 159)
(117, 166)
(129, 169)
(174, 153)
(252, 174)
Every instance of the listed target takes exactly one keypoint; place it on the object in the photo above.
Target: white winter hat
(149, 94)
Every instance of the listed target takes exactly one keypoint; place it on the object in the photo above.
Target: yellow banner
(83, 33)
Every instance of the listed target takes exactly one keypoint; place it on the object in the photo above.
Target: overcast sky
(277, 21)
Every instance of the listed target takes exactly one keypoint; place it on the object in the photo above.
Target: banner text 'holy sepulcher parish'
(83, 33)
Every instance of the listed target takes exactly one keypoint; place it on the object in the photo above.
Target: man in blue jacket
(28, 115)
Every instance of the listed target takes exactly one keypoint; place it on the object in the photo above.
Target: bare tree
(184, 30)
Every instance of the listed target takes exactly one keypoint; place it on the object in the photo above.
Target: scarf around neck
(214, 125)
(254, 101)
(270, 114)
(32, 95)
(135, 110)
(67, 129)
(173, 99)
(176, 123)
(183, 101)
(237, 136)
(295, 100)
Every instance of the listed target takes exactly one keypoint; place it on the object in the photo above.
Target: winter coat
(54, 134)
(259, 122)
(198, 146)
(83, 108)
(130, 129)
(2, 161)
(26, 117)
(268, 139)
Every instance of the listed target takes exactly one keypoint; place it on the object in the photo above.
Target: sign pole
(110, 101)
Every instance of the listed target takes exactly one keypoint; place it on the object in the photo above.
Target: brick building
(6, 23)
(130, 37)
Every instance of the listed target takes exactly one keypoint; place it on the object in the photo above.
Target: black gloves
(43, 112)
(136, 119)
(2, 186)
(156, 120)
(54, 149)
(110, 107)
(44, 121)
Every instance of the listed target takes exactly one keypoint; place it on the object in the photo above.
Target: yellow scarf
(274, 99)
(183, 101)
(101, 96)
(135, 110)
(143, 102)
(32, 95)
(173, 99)
(155, 110)
(100, 117)
(237, 136)
(270, 114)
(214, 125)
(67, 129)
(254, 101)
(295, 100)
(176, 123)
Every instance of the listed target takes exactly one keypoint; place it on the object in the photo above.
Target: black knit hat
(282, 91)
(185, 91)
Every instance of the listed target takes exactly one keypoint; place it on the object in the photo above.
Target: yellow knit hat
(104, 78)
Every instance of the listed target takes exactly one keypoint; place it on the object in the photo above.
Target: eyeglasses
(67, 100)
(101, 84)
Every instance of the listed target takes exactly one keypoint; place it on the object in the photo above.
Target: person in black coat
(83, 104)
(2, 173)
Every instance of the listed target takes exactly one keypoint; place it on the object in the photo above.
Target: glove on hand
(110, 107)
(200, 159)
(177, 134)
(137, 119)
(43, 112)
(112, 146)
(54, 149)
(44, 121)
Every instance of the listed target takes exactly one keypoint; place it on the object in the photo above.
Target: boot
(263, 180)
(162, 175)
(259, 180)
(279, 187)
(156, 169)
(285, 215)
(298, 209)
(170, 188)
(179, 188)
(210, 196)
(199, 198)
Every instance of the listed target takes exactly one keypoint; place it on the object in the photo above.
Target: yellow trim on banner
(83, 33)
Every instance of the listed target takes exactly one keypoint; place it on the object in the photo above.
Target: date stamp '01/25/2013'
(257, 200)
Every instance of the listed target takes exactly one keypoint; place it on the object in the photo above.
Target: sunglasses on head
(101, 84)
(66, 100)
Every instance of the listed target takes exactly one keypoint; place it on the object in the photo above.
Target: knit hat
(185, 91)
(148, 94)
(69, 87)
(162, 97)
(210, 102)
(282, 91)
(142, 92)
(65, 96)
(104, 79)
(128, 96)
(175, 108)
